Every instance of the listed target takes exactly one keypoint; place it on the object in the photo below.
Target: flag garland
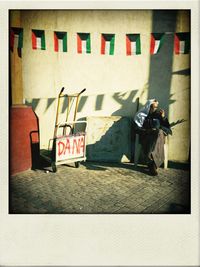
(16, 38)
(60, 41)
(133, 46)
(182, 43)
(38, 39)
(107, 44)
(83, 43)
(156, 42)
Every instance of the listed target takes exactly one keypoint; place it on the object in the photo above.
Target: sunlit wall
(112, 82)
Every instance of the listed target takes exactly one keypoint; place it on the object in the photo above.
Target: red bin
(24, 139)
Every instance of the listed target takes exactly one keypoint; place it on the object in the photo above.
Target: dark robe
(152, 137)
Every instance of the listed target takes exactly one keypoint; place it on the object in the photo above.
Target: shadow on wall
(114, 144)
(160, 74)
(19, 51)
(125, 100)
(34, 102)
(185, 72)
(109, 139)
(98, 102)
(127, 106)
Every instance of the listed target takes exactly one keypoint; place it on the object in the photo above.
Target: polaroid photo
(100, 133)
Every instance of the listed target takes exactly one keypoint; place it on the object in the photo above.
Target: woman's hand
(162, 113)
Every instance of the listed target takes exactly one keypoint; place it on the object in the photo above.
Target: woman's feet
(152, 168)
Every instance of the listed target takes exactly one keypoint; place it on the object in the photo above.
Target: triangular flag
(83, 43)
(182, 43)
(16, 38)
(107, 44)
(133, 44)
(60, 41)
(38, 39)
(156, 42)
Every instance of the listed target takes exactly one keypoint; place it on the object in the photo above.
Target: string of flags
(133, 42)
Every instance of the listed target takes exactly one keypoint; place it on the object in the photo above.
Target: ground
(100, 188)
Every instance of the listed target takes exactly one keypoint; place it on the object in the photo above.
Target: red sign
(70, 147)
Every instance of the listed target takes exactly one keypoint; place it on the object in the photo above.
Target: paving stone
(99, 188)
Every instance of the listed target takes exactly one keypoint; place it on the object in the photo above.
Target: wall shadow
(34, 102)
(112, 147)
(185, 72)
(99, 102)
(161, 64)
(128, 106)
(160, 74)
(125, 100)
(82, 103)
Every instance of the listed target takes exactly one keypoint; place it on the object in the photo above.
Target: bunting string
(107, 41)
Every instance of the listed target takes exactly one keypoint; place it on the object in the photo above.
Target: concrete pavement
(100, 188)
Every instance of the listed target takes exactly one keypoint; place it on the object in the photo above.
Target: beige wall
(99, 74)
(113, 82)
(46, 72)
(180, 92)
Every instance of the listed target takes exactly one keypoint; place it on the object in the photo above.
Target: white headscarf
(143, 112)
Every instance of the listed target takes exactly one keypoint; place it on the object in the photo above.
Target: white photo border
(99, 240)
